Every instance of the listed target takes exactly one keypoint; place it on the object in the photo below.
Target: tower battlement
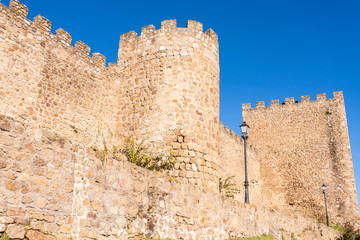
(166, 41)
(193, 28)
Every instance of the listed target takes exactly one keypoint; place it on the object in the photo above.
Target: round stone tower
(171, 86)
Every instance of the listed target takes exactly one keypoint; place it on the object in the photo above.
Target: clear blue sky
(268, 49)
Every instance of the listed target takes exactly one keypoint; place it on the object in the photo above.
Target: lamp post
(244, 130)
(327, 216)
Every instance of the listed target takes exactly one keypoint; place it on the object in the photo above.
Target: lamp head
(244, 128)
(323, 187)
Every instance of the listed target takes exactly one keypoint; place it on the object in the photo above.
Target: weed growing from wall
(335, 226)
(142, 157)
(349, 233)
(4, 236)
(227, 187)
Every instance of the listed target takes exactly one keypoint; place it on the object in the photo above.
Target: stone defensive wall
(302, 145)
(164, 90)
(65, 117)
(50, 84)
(55, 189)
(231, 158)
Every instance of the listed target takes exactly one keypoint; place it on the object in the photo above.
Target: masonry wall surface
(163, 91)
(48, 82)
(58, 105)
(172, 80)
(302, 146)
(231, 158)
(58, 189)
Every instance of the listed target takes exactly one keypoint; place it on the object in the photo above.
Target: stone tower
(301, 146)
(171, 76)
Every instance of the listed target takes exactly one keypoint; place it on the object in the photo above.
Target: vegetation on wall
(4, 236)
(226, 186)
(349, 233)
(143, 157)
(139, 155)
(262, 237)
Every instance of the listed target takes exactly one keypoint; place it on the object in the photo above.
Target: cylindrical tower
(171, 76)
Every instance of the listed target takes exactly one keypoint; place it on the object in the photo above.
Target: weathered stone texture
(39, 167)
(87, 197)
(302, 146)
(231, 158)
(15, 231)
(61, 111)
(53, 85)
(172, 79)
(164, 89)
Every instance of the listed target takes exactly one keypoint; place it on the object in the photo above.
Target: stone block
(15, 212)
(36, 235)
(19, 8)
(2, 227)
(42, 23)
(61, 237)
(16, 231)
(65, 229)
(95, 205)
(83, 233)
(22, 221)
(6, 220)
(33, 213)
(40, 202)
(50, 227)
(10, 186)
(63, 36)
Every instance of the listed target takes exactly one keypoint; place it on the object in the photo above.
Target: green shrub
(336, 227)
(228, 187)
(142, 157)
(350, 233)
(4, 236)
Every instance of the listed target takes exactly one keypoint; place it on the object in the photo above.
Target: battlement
(164, 90)
(232, 135)
(193, 28)
(229, 132)
(168, 41)
(18, 8)
(338, 96)
(42, 27)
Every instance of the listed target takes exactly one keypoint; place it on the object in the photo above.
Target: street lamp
(244, 130)
(327, 216)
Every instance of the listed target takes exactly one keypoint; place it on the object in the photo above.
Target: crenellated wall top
(303, 99)
(232, 135)
(42, 26)
(193, 28)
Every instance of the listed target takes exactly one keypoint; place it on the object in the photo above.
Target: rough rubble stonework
(61, 111)
(57, 189)
(302, 145)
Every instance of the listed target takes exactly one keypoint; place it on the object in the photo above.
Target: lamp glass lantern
(244, 128)
(323, 187)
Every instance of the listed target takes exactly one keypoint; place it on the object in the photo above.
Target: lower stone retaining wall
(54, 189)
